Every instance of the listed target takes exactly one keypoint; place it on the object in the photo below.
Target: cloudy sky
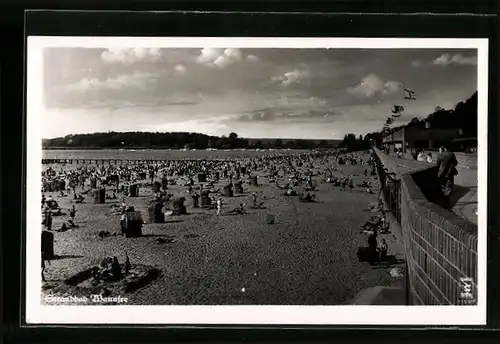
(258, 93)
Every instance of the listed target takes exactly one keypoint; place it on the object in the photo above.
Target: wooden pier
(99, 161)
(116, 161)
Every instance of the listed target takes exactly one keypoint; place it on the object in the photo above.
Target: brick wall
(440, 247)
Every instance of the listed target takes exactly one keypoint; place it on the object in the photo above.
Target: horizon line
(187, 132)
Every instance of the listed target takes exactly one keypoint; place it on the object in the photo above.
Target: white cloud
(416, 63)
(391, 87)
(130, 55)
(447, 59)
(291, 77)
(208, 55)
(222, 57)
(252, 58)
(180, 69)
(208, 126)
(372, 84)
(308, 103)
(137, 80)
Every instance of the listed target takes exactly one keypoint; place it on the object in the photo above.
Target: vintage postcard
(256, 181)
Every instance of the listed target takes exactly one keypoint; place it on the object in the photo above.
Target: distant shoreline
(109, 148)
(103, 148)
(160, 148)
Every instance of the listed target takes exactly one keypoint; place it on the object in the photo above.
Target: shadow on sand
(157, 236)
(457, 193)
(174, 221)
(389, 262)
(66, 256)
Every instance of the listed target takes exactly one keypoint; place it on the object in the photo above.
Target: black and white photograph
(256, 180)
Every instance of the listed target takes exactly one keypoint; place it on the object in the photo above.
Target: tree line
(177, 140)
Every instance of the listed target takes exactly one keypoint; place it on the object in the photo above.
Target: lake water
(152, 154)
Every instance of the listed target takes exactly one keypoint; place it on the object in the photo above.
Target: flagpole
(392, 140)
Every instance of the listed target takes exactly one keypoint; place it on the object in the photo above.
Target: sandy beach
(307, 257)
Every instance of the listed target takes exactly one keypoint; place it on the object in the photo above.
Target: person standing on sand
(446, 163)
(219, 206)
(72, 213)
(48, 221)
(43, 267)
(382, 250)
(372, 241)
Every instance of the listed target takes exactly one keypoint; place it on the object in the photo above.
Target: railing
(390, 186)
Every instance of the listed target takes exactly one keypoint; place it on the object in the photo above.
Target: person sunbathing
(307, 197)
(79, 199)
(52, 204)
(238, 210)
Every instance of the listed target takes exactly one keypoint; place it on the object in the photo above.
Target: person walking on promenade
(446, 163)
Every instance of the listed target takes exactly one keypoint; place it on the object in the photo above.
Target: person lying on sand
(79, 199)
(365, 184)
(238, 210)
(307, 197)
(113, 196)
(290, 192)
(259, 206)
(57, 212)
(51, 204)
(67, 225)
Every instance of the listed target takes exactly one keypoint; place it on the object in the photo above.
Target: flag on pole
(397, 109)
(409, 94)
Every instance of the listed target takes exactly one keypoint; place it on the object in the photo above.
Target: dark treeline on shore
(114, 140)
(463, 116)
(353, 143)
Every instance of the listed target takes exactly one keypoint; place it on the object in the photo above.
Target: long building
(408, 138)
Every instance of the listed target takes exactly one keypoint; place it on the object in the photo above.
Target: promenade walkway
(464, 196)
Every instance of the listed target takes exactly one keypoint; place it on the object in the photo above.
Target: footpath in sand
(308, 257)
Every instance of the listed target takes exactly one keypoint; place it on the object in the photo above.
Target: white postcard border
(36, 313)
